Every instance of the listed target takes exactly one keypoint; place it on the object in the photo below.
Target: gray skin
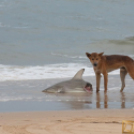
(76, 84)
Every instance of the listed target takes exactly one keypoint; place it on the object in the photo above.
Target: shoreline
(90, 113)
(57, 122)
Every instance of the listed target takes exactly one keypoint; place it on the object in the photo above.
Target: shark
(76, 84)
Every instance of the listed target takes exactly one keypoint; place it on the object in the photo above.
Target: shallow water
(28, 96)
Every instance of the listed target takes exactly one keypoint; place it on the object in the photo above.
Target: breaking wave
(64, 70)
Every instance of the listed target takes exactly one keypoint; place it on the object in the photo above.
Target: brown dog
(107, 63)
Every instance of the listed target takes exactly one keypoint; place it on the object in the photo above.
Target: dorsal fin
(79, 74)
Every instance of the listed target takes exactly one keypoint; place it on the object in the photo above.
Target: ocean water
(47, 39)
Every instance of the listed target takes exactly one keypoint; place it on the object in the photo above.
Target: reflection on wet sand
(105, 101)
(112, 99)
(98, 100)
(123, 100)
(119, 97)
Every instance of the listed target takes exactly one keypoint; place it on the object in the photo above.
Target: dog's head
(95, 58)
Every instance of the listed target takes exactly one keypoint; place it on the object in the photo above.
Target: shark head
(76, 84)
(88, 87)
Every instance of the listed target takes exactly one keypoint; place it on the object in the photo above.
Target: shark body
(76, 84)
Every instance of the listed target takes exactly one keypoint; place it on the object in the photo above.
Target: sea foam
(64, 70)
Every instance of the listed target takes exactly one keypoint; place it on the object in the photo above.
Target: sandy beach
(59, 122)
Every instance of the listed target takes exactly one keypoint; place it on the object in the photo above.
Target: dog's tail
(129, 65)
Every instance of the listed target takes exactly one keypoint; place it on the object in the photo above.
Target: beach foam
(64, 70)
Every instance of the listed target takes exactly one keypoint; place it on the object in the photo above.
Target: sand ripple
(67, 126)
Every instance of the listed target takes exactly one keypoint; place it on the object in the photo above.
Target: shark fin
(79, 74)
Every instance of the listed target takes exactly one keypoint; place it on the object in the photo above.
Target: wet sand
(76, 122)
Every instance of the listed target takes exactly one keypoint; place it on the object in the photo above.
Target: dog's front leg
(105, 80)
(98, 77)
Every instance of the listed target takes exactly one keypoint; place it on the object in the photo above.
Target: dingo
(106, 63)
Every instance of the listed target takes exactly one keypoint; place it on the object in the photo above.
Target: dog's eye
(92, 59)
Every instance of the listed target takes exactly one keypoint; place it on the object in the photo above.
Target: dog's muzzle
(95, 64)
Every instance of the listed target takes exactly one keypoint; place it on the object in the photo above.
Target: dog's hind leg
(123, 73)
(130, 68)
(131, 72)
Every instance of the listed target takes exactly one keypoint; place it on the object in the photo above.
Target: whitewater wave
(64, 70)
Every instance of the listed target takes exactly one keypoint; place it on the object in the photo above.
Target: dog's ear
(88, 54)
(100, 54)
